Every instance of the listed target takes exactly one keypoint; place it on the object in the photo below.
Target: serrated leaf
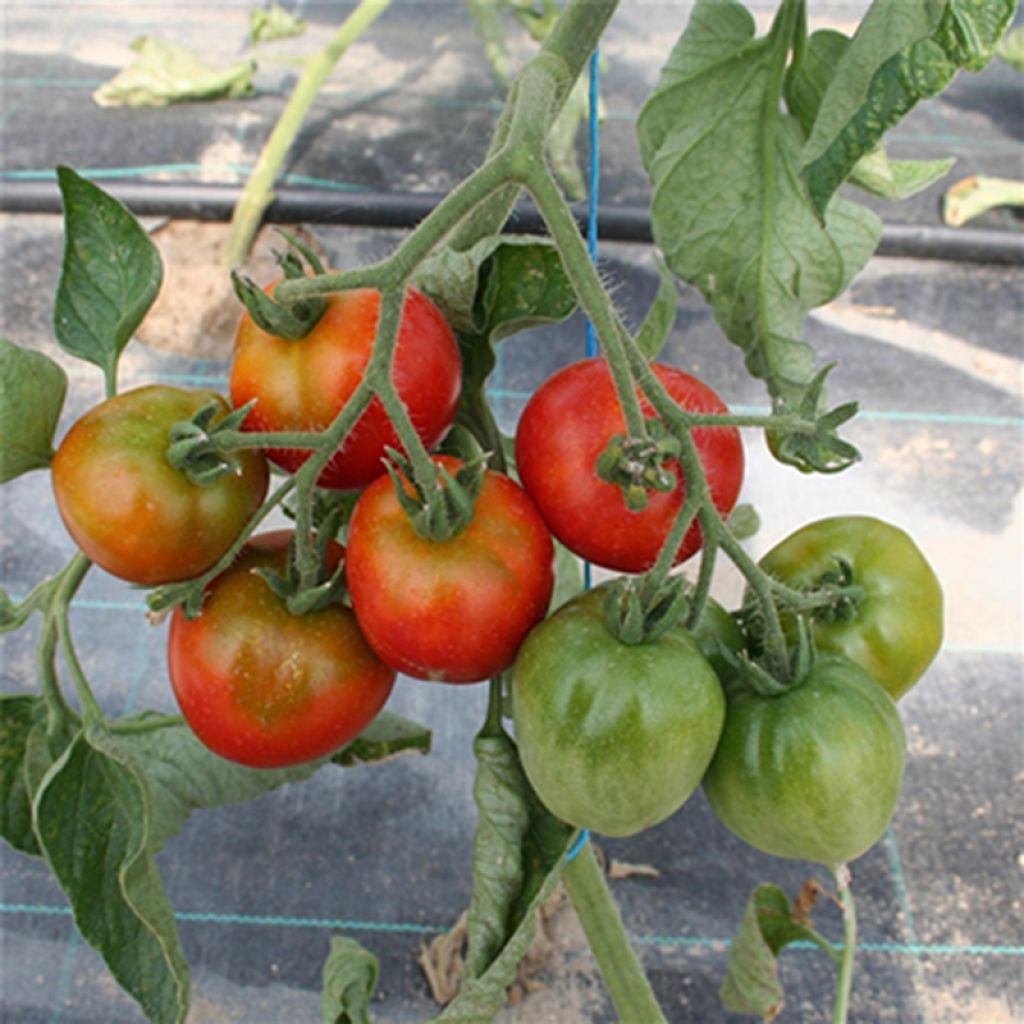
(349, 979)
(165, 73)
(751, 982)
(93, 822)
(903, 51)
(32, 390)
(517, 857)
(269, 23)
(729, 210)
(110, 276)
(387, 736)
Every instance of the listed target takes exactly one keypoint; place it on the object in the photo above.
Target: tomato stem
(258, 192)
(630, 991)
(844, 981)
(593, 296)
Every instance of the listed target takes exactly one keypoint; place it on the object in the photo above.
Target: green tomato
(895, 631)
(813, 773)
(613, 737)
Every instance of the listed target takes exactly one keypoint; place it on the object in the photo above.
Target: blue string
(591, 337)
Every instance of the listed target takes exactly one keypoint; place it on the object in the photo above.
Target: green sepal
(445, 508)
(816, 448)
(194, 448)
(638, 612)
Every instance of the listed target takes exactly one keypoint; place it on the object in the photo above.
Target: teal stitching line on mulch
(212, 917)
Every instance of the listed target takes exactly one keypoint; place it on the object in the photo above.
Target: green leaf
(744, 522)
(751, 981)
(269, 23)
(32, 390)
(18, 715)
(730, 211)
(517, 857)
(387, 736)
(974, 196)
(349, 979)
(1011, 48)
(93, 818)
(110, 277)
(167, 73)
(184, 776)
(903, 51)
(654, 331)
(897, 179)
(874, 172)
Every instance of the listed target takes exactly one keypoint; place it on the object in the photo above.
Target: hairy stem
(623, 976)
(592, 295)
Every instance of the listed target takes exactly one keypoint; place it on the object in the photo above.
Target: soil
(196, 313)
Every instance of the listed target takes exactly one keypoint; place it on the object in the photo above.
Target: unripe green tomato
(613, 737)
(895, 632)
(813, 773)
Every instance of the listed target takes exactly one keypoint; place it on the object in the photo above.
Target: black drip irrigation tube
(212, 202)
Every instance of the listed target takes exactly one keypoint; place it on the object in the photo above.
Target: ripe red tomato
(302, 385)
(568, 423)
(263, 687)
(452, 611)
(129, 509)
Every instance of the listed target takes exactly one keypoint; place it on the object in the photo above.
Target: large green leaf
(349, 978)
(93, 816)
(110, 276)
(32, 390)
(903, 51)
(730, 210)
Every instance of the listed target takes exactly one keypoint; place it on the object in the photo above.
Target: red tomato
(568, 423)
(453, 611)
(129, 509)
(303, 385)
(266, 688)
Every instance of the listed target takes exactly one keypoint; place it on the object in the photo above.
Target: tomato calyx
(764, 679)
(300, 593)
(442, 505)
(640, 610)
(195, 447)
(293, 322)
(842, 595)
(636, 465)
(811, 443)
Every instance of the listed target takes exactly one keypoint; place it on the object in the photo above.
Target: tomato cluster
(615, 731)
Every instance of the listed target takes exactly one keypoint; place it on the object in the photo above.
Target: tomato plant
(129, 509)
(634, 465)
(456, 610)
(613, 737)
(262, 686)
(813, 772)
(565, 427)
(302, 385)
(892, 627)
